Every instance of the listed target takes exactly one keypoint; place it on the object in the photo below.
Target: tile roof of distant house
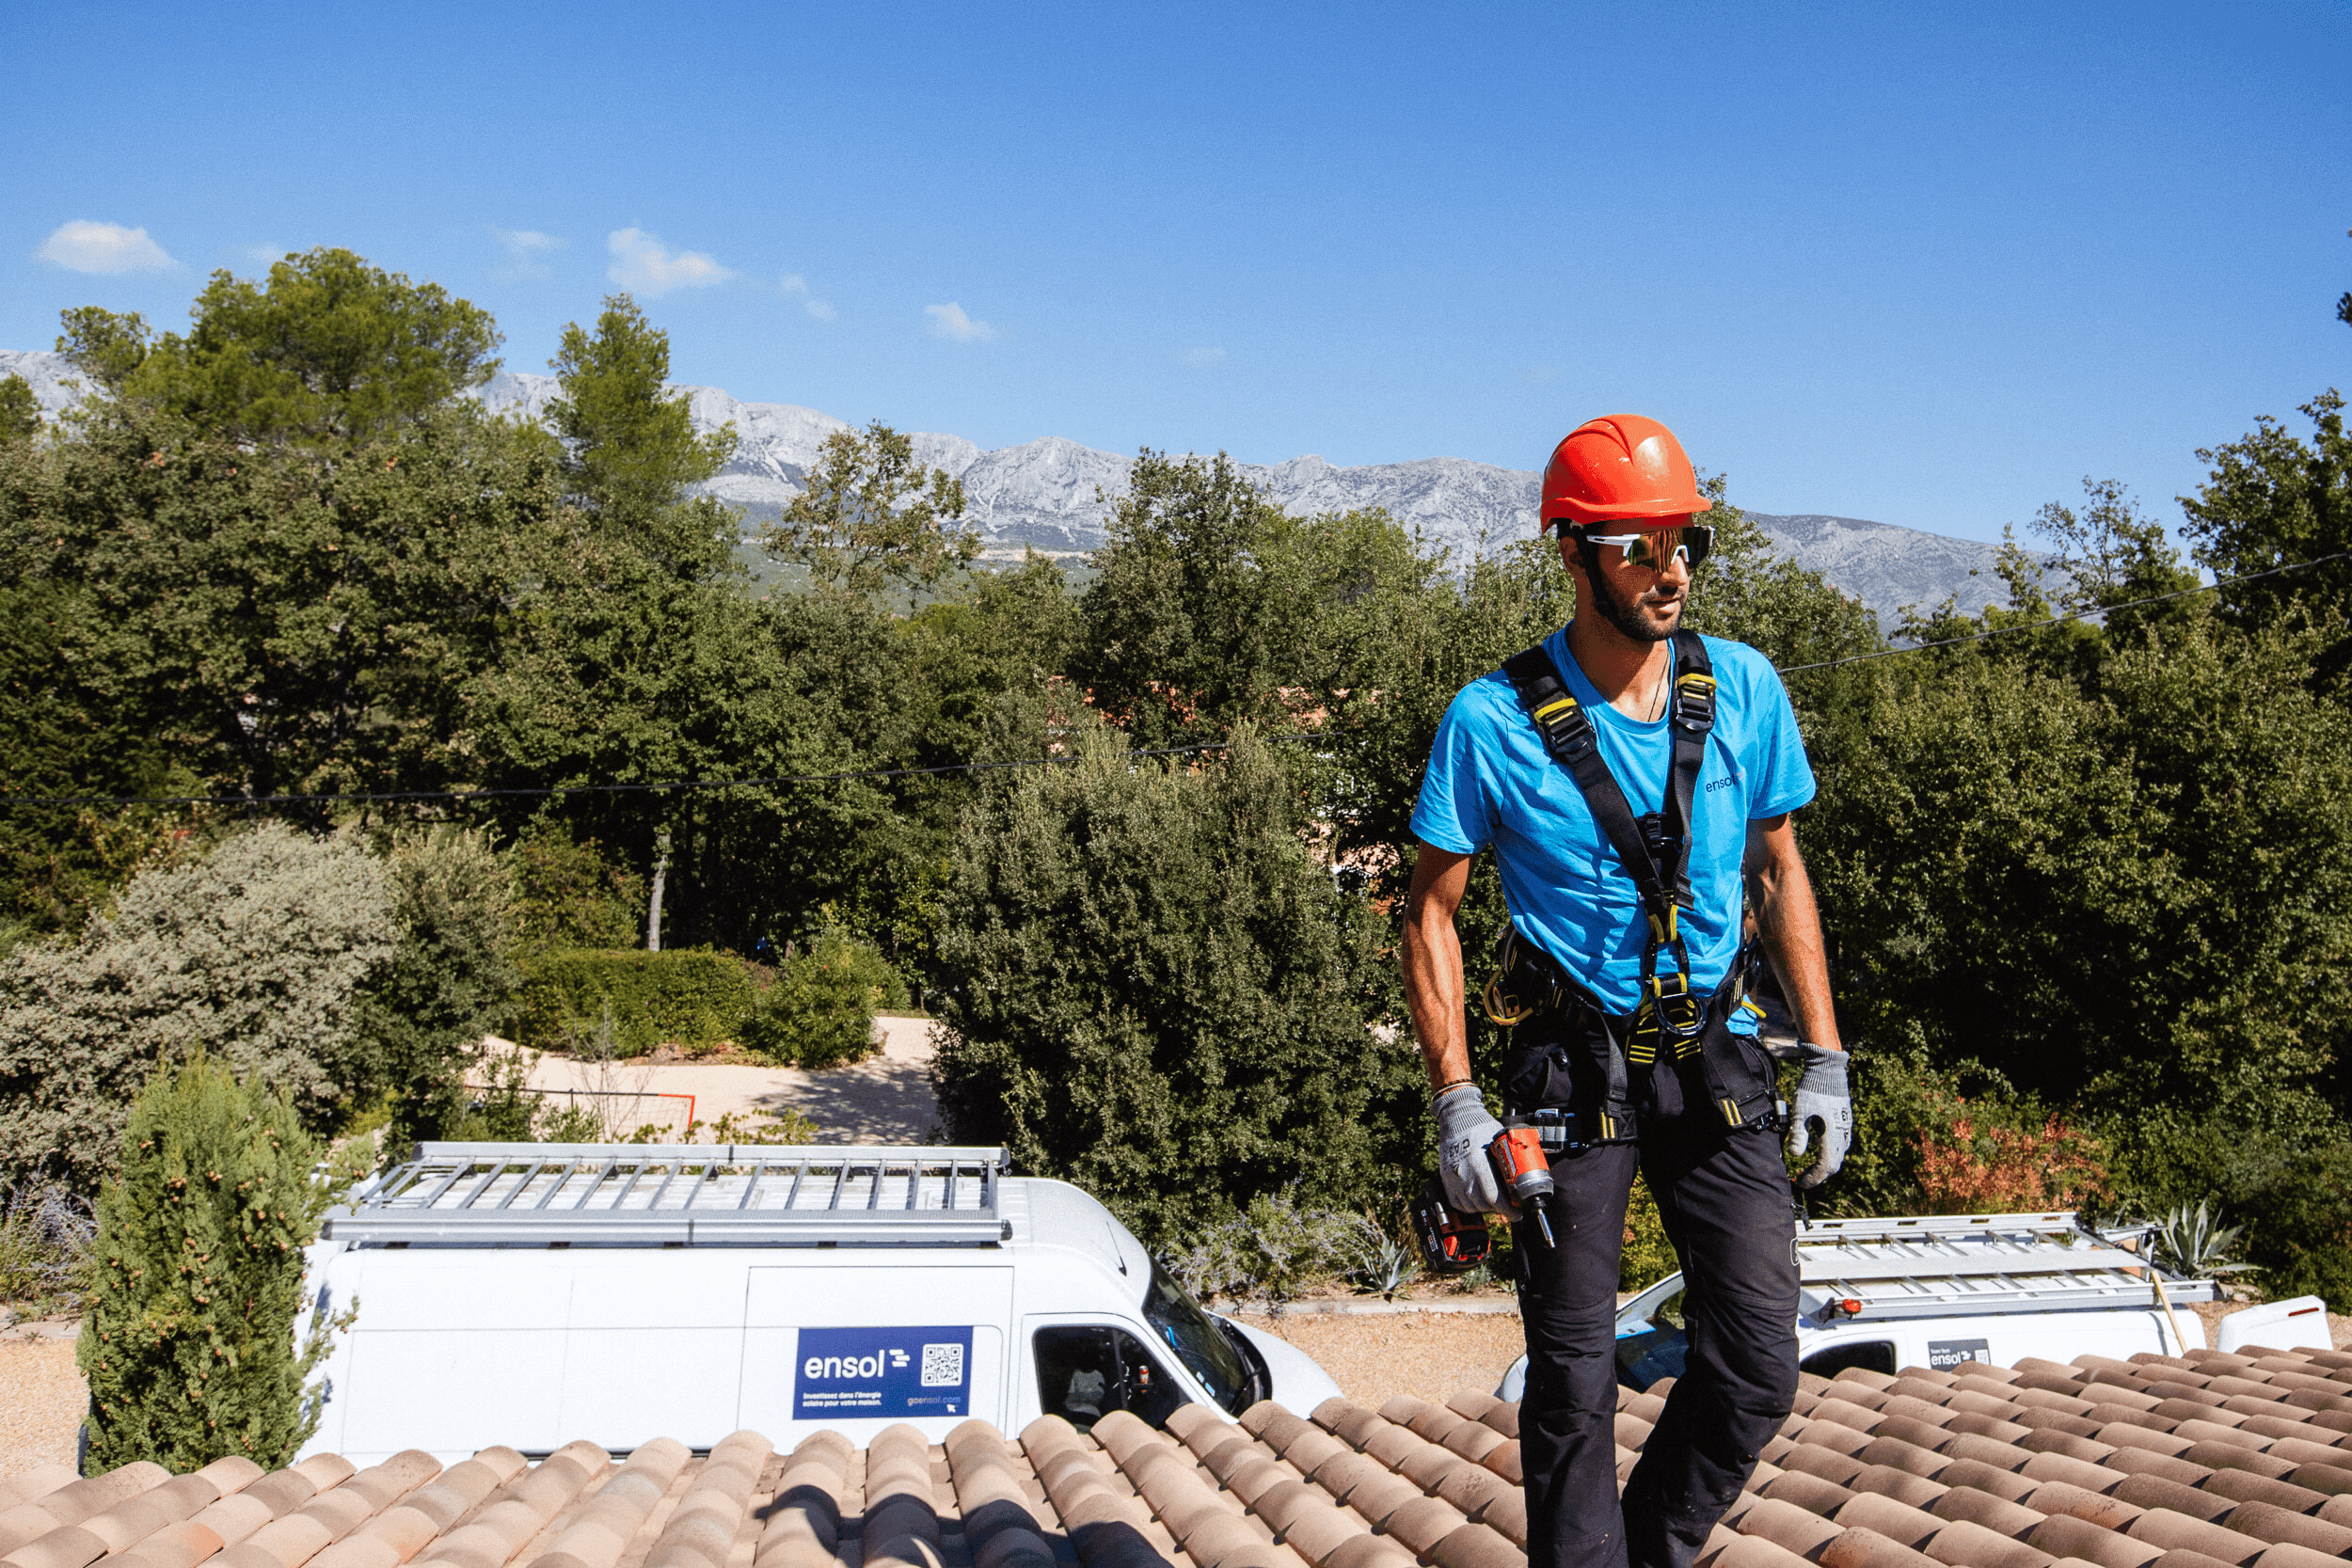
(2159, 1461)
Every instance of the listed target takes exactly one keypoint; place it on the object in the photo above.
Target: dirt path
(1428, 1355)
(42, 1401)
(886, 1099)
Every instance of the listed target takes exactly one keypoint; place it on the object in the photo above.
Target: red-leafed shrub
(1975, 1164)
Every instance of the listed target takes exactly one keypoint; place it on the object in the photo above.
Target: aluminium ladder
(693, 1195)
(1935, 1266)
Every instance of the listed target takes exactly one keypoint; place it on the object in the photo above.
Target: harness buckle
(1681, 1013)
(1555, 1130)
(1566, 730)
(1695, 699)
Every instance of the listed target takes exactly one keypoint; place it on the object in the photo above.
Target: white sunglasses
(1656, 549)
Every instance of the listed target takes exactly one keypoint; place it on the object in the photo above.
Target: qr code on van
(943, 1366)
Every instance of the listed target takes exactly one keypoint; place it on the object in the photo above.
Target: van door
(656, 1350)
(858, 1348)
(1085, 1371)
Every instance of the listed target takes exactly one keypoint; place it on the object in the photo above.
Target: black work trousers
(1723, 1193)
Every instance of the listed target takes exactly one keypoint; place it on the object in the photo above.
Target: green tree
(632, 450)
(2067, 887)
(279, 624)
(104, 345)
(639, 657)
(2271, 500)
(329, 349)
(1154, 988)
(1176, 640)
(188, 1343)
(20, 410)
(2110, 553)
(571, 894)
(868, 518)
(2344, 306)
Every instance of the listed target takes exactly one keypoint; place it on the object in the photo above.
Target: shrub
(688, 996)
(1277, 1248)
(821, 1010)
(787, 1126)
(1153, 989)
(2297, 1208)
(1979, 1165)
(189, 1342)
(454, 898)
(45, 1232)
(260, 952)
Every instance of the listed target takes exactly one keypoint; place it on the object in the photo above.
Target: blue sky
(1924, 265)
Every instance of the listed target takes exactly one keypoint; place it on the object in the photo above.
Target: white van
(531, 1294)
(1934, 1291)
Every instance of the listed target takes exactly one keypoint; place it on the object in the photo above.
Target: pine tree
(189, 1341)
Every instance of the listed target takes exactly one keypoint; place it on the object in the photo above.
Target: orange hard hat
(1620, 467)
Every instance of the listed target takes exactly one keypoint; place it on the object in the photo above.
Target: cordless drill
(1518, 1158)
(1453, 1242)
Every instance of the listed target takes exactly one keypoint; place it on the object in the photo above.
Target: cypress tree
(189, 1340)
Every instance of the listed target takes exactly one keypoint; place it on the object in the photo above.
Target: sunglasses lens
(1656, 549)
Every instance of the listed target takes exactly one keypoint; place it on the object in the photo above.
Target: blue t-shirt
(1490, 781)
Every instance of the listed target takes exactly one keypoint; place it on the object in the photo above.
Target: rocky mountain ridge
(1052, 494)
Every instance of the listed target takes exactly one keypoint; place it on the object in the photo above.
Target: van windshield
(1195, 1338)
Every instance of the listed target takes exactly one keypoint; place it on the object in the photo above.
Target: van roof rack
(1939, 1265)
(697, 1194)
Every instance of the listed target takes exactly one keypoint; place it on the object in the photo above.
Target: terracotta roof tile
(2153, 1463)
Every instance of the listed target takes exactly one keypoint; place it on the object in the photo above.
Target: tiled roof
(2162, 1461)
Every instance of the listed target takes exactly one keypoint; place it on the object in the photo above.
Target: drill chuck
(1517, 1154)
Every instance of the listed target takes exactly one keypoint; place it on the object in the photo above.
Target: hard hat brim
(1642, 514)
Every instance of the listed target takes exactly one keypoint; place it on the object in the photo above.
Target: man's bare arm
(1790, 924)
(1433, 963)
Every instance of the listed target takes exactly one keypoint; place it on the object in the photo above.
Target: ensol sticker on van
(884, 1371)
(1944, 1355)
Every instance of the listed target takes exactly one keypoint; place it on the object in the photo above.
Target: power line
(369, 797)
(2070, 615)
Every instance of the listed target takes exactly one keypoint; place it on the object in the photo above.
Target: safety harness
(1655, 849)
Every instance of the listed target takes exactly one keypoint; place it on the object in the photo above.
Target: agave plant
(1384, 1266)
(2195, 1244)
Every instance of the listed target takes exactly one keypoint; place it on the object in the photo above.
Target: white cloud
(86, 247)
(1202, 359)
(794, 286)
(948, 320)
(526, 252)
(644, 264)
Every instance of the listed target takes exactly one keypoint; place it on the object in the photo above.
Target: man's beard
(1622, 614)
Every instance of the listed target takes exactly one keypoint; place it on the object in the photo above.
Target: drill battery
(1450, 1240)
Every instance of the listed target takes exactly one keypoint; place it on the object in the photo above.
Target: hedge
(687, 996)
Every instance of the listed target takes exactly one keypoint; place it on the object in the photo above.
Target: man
(1634, 782)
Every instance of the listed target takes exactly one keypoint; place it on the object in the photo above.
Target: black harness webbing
(1655, 849)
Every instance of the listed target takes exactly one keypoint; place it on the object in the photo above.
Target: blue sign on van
(883, 1372)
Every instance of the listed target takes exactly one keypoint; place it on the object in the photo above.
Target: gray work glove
(1464, 1131)
(1824, 1102)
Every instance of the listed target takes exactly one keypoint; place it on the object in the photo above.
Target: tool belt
(1570, 1064)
